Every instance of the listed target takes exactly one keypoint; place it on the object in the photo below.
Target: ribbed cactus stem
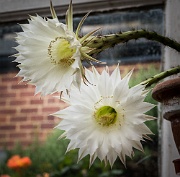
(161, 76)
(100, 43)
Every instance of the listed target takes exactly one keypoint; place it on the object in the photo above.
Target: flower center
(105, 116)
(60, 52)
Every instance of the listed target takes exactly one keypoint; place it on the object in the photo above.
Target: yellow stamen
(105, 116)
(60, 52)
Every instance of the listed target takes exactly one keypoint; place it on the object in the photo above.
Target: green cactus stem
(161, 76)
(100, 43)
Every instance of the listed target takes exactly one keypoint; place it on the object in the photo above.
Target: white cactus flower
(50, 53)
(105, 119)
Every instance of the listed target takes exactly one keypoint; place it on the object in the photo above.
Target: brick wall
(24, 116)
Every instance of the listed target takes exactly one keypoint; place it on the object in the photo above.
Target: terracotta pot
(168, 93)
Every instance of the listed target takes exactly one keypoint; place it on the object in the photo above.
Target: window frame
(18, 10)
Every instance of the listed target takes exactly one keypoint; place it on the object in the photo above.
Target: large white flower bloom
(50, 53)
(105, 119)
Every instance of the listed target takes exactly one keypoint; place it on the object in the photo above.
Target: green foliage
(50, 156)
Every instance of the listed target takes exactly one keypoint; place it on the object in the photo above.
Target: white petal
(116, 76)
(105, 86)
(82, 153)
(111, 156)
(122, 89)
(138, 145)
(92, 159)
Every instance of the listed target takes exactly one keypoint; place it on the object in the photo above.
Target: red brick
(19, 86)
(50, 109)
(52, 100)
(7, 144)
(8, 111)
(29, 110)
(50, 117)
(24, 94)
(47, 126)
(2, 88)
(2, 103)
(36, 101)
(7, 95)
(26, 143)
(18, 119)
(3, 136)
(10, 79)
(36, 134)
(7, 127)
(35, 118)
(17, 102)
(27, 126)
(17, 135)
(2, 119)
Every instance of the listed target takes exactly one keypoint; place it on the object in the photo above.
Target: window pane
(134, 51)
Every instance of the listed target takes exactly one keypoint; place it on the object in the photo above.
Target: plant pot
(177, 166)
(168, 93)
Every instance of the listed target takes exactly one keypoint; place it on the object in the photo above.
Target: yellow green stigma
(60, 52)
(105, 116)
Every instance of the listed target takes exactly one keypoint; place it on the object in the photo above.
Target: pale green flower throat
(60, 52)
(105, 116)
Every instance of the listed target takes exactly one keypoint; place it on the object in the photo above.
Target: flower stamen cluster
(105, 116)
(60, 52)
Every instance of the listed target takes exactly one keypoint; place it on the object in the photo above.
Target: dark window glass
(140, 50)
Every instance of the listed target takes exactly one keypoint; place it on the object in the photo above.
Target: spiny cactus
(100, 43)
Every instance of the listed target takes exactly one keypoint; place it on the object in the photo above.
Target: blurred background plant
(49, 159)
(18, 164)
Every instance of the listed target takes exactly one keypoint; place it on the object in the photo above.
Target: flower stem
(101, 43)
(161, 76)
